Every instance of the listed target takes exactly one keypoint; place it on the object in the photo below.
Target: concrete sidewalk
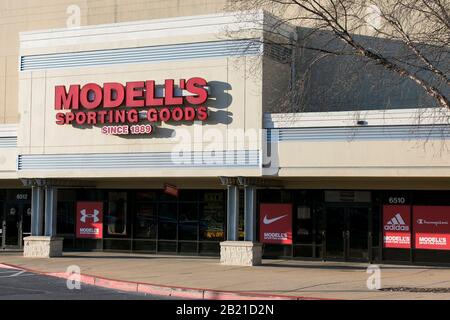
(330, 280)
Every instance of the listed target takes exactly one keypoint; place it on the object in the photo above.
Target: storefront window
(303, 226)
(1, 222)
(146, 225)
(241, 216)
(167, 227)
(431, 226)
(188, 221)
(212, 217)
(116, 218)
(146, 195)
(395, 251)
(145, 221)
(15, 217)
(66, 211)
(65, 218)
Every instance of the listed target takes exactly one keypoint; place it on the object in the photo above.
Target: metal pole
(233, 213)
(37, 210)
(50, 211)
(250, 213)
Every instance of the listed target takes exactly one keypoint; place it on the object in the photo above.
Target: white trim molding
(8, 135)
(8, 130)
(220, 25)
(121, 161)
(391, 117)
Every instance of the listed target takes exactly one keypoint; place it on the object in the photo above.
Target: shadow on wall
(351, 83)
(219, 98)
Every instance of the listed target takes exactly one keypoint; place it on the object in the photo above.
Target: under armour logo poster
(275, 223)
(90, 220)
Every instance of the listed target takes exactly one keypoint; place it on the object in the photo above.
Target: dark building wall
(327, 82)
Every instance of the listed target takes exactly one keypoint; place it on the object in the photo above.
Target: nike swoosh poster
(275, 223)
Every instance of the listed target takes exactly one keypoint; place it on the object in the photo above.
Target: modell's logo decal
(133, 108)
(396, 223)
(435, 242)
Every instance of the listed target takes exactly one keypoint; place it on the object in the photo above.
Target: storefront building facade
(166, 136)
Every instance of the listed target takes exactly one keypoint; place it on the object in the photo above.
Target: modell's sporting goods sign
(90, 220)
(275, 223)
(131, 108)
(432, 227)
(396, 226)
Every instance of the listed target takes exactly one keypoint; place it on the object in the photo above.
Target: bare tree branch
(420, 29)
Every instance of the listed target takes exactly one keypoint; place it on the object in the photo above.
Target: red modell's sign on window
(90, 220)
(432, 227)
(396, 226)
(276, 223)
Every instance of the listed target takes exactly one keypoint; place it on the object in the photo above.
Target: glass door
(358, 232)
(11, 226)
(26, 220)
(16, 225)
(347, 232)
(335, 232)
(2, 226)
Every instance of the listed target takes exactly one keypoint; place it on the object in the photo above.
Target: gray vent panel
(249, 158)
(361, 133)
(8, 142)
(141, 54)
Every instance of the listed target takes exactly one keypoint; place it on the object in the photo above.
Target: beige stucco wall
(23, 15)
(235, 104)
(8, 166)
(44, 136)
(366, 183)
(366, 158)
(251, 91)
(8, 153)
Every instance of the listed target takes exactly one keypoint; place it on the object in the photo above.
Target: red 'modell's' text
(121, 106)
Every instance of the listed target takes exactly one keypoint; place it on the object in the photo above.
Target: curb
(163, 290)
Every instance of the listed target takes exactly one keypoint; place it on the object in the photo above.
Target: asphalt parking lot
(20, 285)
